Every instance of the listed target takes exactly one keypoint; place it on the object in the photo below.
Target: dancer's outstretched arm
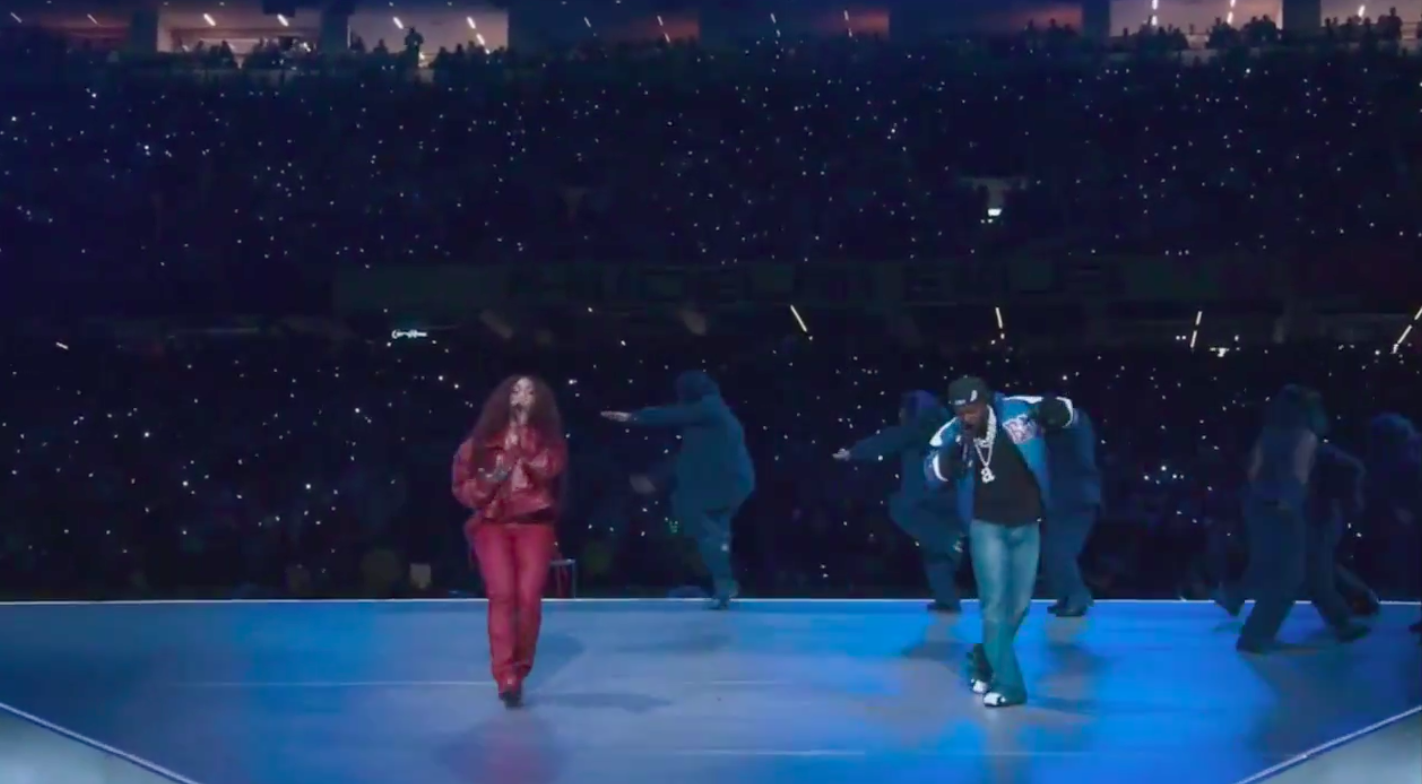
(893, 439)
(675, 415)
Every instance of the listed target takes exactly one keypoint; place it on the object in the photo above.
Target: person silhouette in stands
(930, 518)
(1072, 509)
(510, 473)
(413, 42)
(995, 451)
(711, 474)
(1286, 553)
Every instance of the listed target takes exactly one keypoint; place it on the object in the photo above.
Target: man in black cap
(712, 472)
(994, 450)
(931, 518)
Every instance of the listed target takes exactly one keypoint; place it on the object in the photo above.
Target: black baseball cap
(968, 390)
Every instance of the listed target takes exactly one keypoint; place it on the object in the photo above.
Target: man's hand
(642, 484)
(617, 416)
(842, 455)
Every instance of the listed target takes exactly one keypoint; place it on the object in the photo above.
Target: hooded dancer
(1394, 496)
(1286, 553)
(995, 451)
(1335, 499)
(711, 474)
(1072, 509)
(930, 518)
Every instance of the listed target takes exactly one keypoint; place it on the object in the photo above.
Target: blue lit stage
(662, 692)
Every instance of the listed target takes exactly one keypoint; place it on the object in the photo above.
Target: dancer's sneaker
(998, 700)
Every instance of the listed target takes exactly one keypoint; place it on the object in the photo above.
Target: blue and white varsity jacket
(1025, 420)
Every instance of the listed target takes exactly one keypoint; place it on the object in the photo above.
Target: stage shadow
(555, 653)
(517, 747)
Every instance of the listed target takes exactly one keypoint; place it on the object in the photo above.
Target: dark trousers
(1287, 556)
(513, 560)
(1063, 539)
(711, 530)
(940, 542)
(1005, 565)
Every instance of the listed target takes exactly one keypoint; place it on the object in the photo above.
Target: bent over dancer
(712, 473)
(1072, 509)
(931, 518)
(995, 451)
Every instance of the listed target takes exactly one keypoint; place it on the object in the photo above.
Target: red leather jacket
(534, 468)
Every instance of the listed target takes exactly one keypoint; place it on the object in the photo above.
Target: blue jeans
(1005, 565)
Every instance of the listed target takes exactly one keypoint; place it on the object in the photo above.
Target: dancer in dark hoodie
(1394, 497)
(711, 474)
(1335, 499)
(1286, 553)
(930, 518)
(1072, 510)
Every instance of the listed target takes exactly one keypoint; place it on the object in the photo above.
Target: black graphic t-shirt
(1012, 498)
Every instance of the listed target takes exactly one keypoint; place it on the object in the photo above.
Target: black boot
(1227, 602)
(946, 608)
(725, 592)
(512, 696)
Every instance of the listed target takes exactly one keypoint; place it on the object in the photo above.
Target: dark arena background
(261, 263)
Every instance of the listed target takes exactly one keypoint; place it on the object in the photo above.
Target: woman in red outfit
(509, 472)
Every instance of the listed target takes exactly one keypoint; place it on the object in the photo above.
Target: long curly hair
(494, 417)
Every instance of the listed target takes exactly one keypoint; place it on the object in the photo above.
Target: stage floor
(662, 692)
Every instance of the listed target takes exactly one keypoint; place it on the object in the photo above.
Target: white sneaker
(994, 700)
(980, 687)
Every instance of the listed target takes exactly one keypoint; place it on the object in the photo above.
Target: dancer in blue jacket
(712, 473)
(994, 450)
(931, 518)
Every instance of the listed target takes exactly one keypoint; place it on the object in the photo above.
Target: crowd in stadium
(840, 150)
(219, 467)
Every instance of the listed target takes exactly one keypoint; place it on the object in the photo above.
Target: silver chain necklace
(985, 457)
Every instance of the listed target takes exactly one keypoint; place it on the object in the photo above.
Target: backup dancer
(1394, 495)
(1286, 553)
(931, 518)
(509, 472)
(1072, 509)
(1335, 499)
(995, 450)
(711, 474)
